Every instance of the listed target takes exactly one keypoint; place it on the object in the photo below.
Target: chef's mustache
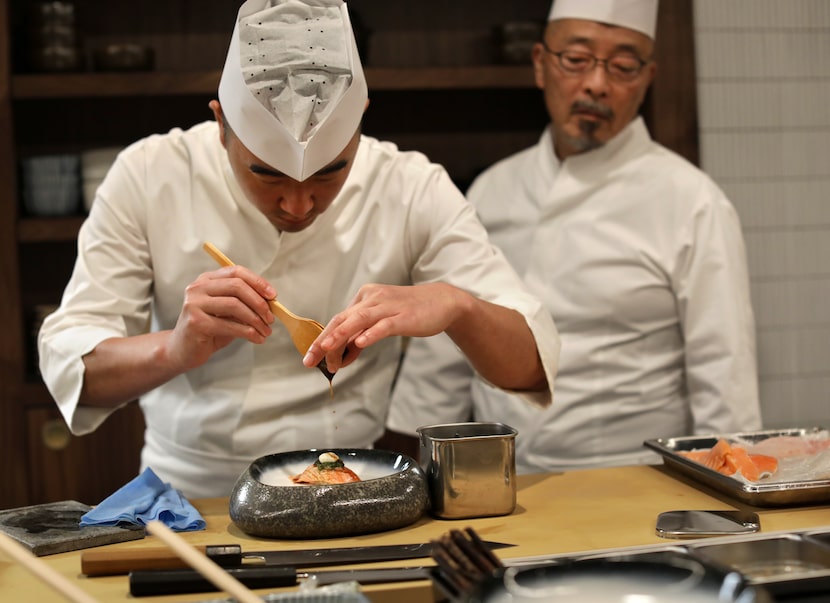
(594, 107)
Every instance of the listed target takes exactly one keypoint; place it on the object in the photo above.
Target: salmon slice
(327, 469)
(694, 455)
(314, 475)
(766, 464)
(744, 464)
(729, 460)
(718, 458)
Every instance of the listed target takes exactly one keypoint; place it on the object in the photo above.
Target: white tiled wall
(763, 70)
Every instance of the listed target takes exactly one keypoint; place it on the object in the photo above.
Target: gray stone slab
(54, 528)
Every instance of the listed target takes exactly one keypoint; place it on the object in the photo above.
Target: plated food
(327, 469)
(267, 501)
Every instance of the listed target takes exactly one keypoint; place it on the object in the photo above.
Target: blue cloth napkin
(142, 500)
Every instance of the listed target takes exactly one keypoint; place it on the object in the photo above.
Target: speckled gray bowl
(392, 493)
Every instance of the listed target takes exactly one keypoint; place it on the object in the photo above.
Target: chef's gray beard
(586, 140)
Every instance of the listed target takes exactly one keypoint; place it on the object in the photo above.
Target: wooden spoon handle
(303, 331)
(279, 310)
(217, 255)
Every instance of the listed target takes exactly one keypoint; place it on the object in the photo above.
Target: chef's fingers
(256, 282)
(351, 354)
(229, 299)
(240, 283)
(230, 317)
(337, 352)
(337, 359)
(379, 311)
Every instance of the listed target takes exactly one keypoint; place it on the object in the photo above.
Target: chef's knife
(148, 583)
(109, 562)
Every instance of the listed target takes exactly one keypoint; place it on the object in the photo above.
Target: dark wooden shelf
(38, 230)
(115, 85)
(95, 85)
(491, 77)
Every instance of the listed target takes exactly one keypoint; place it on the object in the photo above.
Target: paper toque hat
(293, 89)
(639, 15)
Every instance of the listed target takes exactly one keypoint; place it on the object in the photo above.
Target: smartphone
(697, 524)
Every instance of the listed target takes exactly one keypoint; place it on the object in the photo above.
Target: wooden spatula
(303, 331)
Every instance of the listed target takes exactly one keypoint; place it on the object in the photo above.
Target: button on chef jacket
(640, 259)
(398, 220)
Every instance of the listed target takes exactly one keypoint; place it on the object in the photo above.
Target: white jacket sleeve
(712, 284)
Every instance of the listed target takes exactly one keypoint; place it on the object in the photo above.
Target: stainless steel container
(470, 468)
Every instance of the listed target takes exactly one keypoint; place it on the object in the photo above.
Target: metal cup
(470, 469)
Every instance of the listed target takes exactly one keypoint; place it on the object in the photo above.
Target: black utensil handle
(149, 583)
(226, 555)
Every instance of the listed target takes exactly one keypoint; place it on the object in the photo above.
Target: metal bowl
(392, 493)
(664, 577)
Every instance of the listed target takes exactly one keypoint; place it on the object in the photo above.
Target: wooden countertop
(570, 512)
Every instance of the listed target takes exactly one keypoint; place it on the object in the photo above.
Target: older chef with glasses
(637, 254)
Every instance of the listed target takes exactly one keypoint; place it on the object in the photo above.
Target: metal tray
(787, 564)
(761, 494)
(782, 564)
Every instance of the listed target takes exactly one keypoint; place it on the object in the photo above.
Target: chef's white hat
(293, 89)
(639, 15)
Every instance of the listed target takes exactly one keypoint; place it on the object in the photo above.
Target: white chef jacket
(640, 259)
(398, 220)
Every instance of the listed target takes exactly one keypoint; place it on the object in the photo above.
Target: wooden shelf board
(450, 78)
(34, 230)
(89, 85)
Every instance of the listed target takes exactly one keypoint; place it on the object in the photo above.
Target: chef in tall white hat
(293, 88)
(374, 242)
(637, 254)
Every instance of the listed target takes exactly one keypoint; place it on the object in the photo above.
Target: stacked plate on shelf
(50, 184)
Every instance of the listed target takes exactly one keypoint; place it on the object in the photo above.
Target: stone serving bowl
(392, 493)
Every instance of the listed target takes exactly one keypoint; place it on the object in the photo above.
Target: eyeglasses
(622, 68)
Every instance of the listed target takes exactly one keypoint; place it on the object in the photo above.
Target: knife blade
(109, 562)
(149, 583)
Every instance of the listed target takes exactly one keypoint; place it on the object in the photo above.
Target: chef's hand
(380, 311)
(220, 306)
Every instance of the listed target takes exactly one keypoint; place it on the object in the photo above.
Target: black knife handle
(149, 583)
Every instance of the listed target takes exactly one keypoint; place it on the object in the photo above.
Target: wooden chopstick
(44, 571)
(201, 563)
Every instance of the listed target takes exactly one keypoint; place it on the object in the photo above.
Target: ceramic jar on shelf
(52, 37)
